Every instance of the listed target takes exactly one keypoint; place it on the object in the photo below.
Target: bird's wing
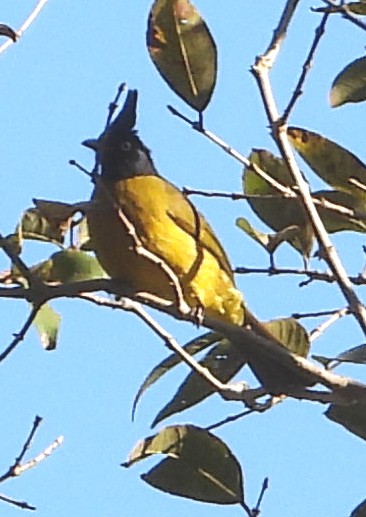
(187, 217)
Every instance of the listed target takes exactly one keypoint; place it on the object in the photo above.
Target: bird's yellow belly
(204, 283)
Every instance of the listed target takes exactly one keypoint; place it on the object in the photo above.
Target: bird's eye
(126, 146)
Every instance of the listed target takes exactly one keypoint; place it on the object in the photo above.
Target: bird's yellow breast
(170, 228)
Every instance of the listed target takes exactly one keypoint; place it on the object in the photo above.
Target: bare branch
(342, 9)
(17, 468)
(279, 33)
(279, 134)
(305, 69)
(317, 332)
(20, 504)
(19, 336)
(26, 24)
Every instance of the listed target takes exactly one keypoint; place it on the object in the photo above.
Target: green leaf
(360, 511)
(223, 361)
(357, 7)
(194, 346)
(279, 213)
(356, 355)
(350, 83)
(336, 221)
(268, 241)
(69, 266)
(199, 466)
(291, 334)
(331, 162)
(47, 323)
(352, 417)
(183, 50)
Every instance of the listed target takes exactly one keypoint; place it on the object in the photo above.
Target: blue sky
(55, 85)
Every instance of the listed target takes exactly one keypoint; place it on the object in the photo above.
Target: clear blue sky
(55, 86)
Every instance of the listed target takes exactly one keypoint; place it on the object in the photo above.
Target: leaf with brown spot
(183, 50)
(331, 162)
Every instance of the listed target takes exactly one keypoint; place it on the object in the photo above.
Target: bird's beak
(91, 143)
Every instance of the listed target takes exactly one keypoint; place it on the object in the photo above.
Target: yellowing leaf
(47, 323)
(350, 83)
(334, 164)
(183, 50)
(199, 466)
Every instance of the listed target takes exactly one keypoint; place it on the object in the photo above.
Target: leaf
(8, 32)
(352, 417)
(223, 361)
(279, 213)
(331, 162)
(360, 510)
(291, 334)
(45, 224)
(335, 221)
(69, 266)
(192, 347)
(47, 323)
(350, 83)
(356, 355)
(357, 7)
(183, 50)
(269, 242)
(199, 466)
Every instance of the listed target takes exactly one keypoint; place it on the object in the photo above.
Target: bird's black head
(120, 151)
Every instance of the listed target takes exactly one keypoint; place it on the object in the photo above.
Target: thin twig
(15, 259)
(256, 510)
(279, 33)
(343, 10)
(283, 189)
(317, 314)
(20, 504)
(305, 69)
(40, 457)
(26, 24)
(114, 104)
(19, 336)
(318, 331)
(10, 472)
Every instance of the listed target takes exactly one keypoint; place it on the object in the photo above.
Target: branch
(305, 69)
(18, 468)
(26, 24)
(317, 332)
(342, 9)
(279, 33)
(263, 352)
(18, 337)
(279, 134)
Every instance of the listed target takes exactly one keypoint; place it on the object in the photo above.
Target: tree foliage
(197, 464)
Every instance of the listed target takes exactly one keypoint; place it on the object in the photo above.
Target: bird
(165, 221)
(133, 204)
